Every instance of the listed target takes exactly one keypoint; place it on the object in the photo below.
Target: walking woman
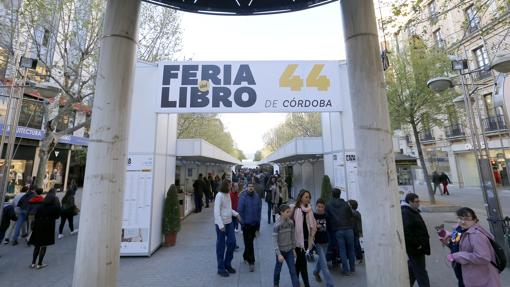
(43, 233)
(476, 252)
(305, 229)
(225, 236)
(69, 210)
(271, 190)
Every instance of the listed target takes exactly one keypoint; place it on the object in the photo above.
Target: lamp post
(490, 195)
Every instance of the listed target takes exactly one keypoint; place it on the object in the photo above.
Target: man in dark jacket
(436, 180)
(250, 210)
(340, 221)
(198, 192)
(417, 240)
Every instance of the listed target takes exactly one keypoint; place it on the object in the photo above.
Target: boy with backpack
(284, 245)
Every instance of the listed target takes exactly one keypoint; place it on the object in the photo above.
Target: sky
(314, 34)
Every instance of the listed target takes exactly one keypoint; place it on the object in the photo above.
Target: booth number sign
(350, 157)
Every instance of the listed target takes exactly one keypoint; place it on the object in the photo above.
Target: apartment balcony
(427, 138)
(482, 75)
(455, 132)
(494, 125)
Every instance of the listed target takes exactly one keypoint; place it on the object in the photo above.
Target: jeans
(269, 211)
(436, 185)
(22, 217)
(249, 237)
(301, 265)
(345, 239)
(198, 202)
(357, 248)
(418, 271)
(223, 238)
(322, 264)
(236, 223)
(289, 259)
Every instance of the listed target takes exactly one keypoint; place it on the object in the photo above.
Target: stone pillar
(378, 196)
(98, 247)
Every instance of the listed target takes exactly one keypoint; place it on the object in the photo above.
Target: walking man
(250, 208)
(198, 192)
(436, 180)
(340, 218)
(417, 240)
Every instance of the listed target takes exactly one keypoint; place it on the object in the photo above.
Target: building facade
(472, 30)
(37, 39)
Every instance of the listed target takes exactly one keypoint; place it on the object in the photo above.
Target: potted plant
(171, 217)
(326, 189)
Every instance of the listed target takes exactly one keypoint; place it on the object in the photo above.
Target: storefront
(22, 164)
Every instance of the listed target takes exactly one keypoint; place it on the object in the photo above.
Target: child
(321, 243)
(358, 230)
(284, 244)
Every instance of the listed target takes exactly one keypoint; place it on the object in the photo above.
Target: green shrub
(171, 212)
(326, 189)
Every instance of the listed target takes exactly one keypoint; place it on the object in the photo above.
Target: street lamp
(490, 195)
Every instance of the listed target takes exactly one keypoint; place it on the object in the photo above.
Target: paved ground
(192, 261)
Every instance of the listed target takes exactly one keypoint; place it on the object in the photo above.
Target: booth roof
(298, 149)
(240, 7)
(198, 150)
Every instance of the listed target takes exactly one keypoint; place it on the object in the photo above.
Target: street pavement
(192, 262)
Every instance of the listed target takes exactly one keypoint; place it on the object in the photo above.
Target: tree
(257, 156)
(295, 125)
(171, 215)
(326, 189)
(64, 37)
(411, 102)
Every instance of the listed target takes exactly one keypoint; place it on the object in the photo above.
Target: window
(438, 38)
(472, 19)
(46, 38)
(433, 14)
(481, 56)
(489, 105)
(32, 113)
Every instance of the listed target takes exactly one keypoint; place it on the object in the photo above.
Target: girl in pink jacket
(476, 252)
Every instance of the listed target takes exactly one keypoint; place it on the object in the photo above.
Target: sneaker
(230, 270)
(60, 236)
(14, 242)
(74, 231)
(252, 268)
(223, 273)
(32, 266)
(317, 277)
(236, 230)
(41, 266)
(346, 274)
(6, 241)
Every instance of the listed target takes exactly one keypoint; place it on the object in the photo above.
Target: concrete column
(378, 196)
(98, 247)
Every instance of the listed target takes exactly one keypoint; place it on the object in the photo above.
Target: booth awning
(198, 150)
(298, 149)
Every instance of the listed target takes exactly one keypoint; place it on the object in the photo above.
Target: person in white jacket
(225, 234)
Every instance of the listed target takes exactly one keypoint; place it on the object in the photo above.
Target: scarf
(310, 223)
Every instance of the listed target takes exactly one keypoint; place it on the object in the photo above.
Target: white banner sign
(251, 87)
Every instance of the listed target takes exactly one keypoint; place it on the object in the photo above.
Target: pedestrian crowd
(302, 231)
(32, 215)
